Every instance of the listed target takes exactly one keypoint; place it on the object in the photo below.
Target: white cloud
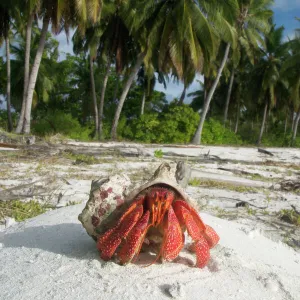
(287, 5)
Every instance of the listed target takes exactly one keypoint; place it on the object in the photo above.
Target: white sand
(52, 257)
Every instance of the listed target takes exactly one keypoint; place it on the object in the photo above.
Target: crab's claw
(203, 235)
(134, 240)
(109, 242)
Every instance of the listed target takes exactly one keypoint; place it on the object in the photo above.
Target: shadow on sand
(67, 239)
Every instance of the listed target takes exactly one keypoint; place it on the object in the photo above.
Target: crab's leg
(204, 236)
(132, 244)
(109, 242)
(173, 237)
(208, 232)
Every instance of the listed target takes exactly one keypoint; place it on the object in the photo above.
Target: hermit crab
(152, 216)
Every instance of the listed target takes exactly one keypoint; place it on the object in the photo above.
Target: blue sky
(285, 12)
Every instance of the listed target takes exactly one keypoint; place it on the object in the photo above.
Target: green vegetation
(251, 211)
(20, 210)
(122, 49)
(290, 216)
(53, 122)
(158, 153)
(70, 203)
(83, 158)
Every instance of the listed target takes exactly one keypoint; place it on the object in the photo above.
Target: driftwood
(265, 151)
(5, 145)
(18, 192)
(238, 172)
(295, 210)
(204, 157)
(243, 203)
(290, 185)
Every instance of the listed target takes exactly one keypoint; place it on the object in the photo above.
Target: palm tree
(239, 22)
(266, 73)
(116, 46)
(170, 31)
(291, 72)
(251, 24)
(5, 20)
(57, 12)
(48, 73)
(110, 41)
(29, 11)
(8, 99)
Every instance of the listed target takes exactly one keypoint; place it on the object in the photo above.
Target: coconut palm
(29, 10)
(251, 24)
(170, 31)
(109, 41)
(61, 14)
(239, 22)
(5, 23)
(266, 73)
(47, 71)
(291, 72)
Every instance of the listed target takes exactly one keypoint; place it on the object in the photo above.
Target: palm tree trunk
(143, 103)
(94, 94)
(127, 86)
(296, 128)
(285, 123)
(263, 124)
(9, 120)
(116, 88)
(182, 97)
(237, 118)
(228, 96)
(33, 75)
(101, 104)
(293, 121)
(26, 72)
(197, 137)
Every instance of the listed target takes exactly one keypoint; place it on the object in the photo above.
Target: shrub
(177, 125)
(59, 122)
(3, 119)
(158, 153)
(144, 129)
(21, 210)
(215, 133)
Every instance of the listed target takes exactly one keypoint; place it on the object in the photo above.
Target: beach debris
(265, 151)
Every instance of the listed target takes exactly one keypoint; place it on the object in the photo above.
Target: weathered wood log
(238, 172)
(5, 145)
(265, 151)
(290, 185)
(242, 203)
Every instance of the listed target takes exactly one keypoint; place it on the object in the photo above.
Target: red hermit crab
(158, 213)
